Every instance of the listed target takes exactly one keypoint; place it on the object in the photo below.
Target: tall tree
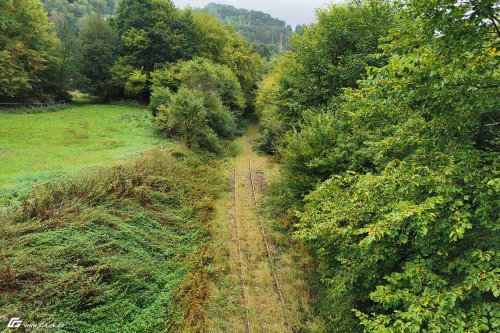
(154, 31)
(67, 75)
(223, 45)
(28, 47)
(99, 53)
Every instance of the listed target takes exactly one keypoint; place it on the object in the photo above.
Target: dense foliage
(99, 51)
(197, 101)
(109, 49)
(260, 29)
(75, 9)
(28, 51)
(112, 250)
(328, 56)
(223, 45)
(399, 175)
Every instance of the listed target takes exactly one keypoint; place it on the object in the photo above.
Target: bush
(187, 118)
(137, 84)
(400, 178)
(220, 118)
(203, 75)
(159, 96)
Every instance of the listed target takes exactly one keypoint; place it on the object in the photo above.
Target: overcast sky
(292, 11)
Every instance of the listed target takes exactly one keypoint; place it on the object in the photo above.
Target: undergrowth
(112, 250)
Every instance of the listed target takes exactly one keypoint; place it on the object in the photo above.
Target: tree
(222, 45)
(185, 117)
(214, 86)
(400, 180)
(28, 49)
(327, 57)
(154, 31)
(99, 53)
(206, 76)
(67, 76)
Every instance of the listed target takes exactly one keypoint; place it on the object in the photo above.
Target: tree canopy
(28, 50)
(394, 182)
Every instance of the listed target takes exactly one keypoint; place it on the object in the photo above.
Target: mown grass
(36, 147)
(112, 250)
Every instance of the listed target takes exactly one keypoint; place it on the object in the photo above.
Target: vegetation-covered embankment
(112, 250)
(390, 174)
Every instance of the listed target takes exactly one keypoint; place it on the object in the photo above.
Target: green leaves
(395, 181)
(198, 101)
(28, 49)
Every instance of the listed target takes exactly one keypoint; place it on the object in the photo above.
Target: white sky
(292, 11)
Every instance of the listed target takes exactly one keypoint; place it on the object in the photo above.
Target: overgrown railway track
(240, 256)
(268, 247)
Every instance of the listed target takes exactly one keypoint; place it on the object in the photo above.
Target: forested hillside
(260, 29)
(390, 174)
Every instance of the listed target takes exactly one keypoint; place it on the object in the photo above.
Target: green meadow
(37, 147)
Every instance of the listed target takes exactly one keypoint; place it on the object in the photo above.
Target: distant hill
(258, 28)
(80, 8)
(73, 10)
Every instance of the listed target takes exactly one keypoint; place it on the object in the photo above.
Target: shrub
(137, 85)
(159, 96)
(203, 75)
(186, 117)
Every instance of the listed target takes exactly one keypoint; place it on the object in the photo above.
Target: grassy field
(36, 147)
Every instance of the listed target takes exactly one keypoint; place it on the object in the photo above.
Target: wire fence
(29, 105)
(73, 172)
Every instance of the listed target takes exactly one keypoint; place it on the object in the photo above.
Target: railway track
(242, 178)
(240, 256)
(268, 248)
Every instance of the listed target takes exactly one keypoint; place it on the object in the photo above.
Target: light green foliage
(137, 84)
(26, 60)
(197, 118)
(328, 56)
(120, 74)
(405, 226)
(272, 125)
(332, 54)
(160, 95)
(99, 53)
(206, 76)
(213, 106)
(67, 140)
(112, 250)
(222, 45)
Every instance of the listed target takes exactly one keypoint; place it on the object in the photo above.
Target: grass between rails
(225, 306)
(112, 250)
(35, 147)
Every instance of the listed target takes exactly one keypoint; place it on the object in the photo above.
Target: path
(263, 284)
